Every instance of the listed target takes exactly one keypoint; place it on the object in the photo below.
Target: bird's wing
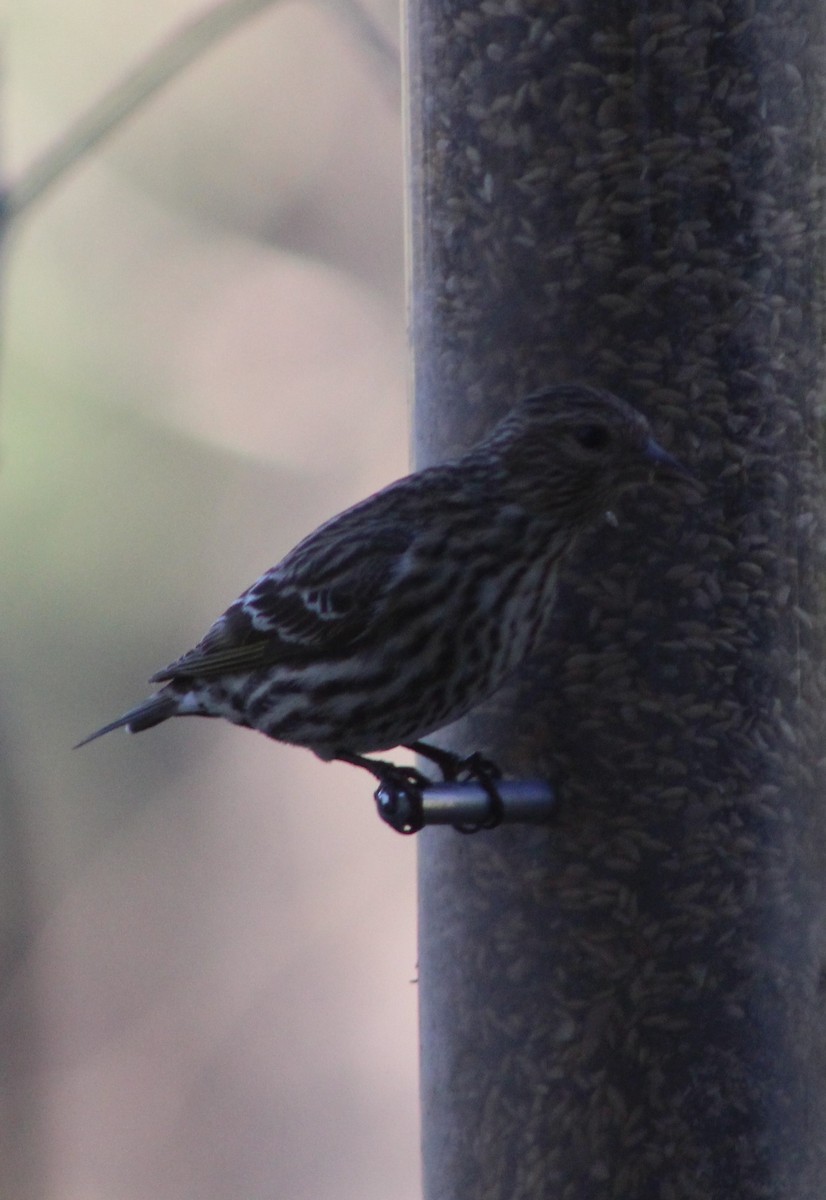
(232, 644)
(316, 603)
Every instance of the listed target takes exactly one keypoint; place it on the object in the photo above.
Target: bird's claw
(399, 798)
(485, 772)
(474, 768)
(401, 794)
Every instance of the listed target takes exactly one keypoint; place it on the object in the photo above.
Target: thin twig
(137, 86)
(368, 33)
(142, 82)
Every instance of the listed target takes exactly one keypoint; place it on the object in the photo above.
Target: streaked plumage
(397, 616)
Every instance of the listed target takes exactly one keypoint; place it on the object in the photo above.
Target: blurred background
(208, 943)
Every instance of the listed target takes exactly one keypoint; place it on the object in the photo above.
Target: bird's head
(573, 450)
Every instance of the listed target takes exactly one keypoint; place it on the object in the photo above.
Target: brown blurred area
(207, 938)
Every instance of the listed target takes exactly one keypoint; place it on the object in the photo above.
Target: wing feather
(316, 603)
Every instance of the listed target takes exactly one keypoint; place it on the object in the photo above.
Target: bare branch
(140, 84)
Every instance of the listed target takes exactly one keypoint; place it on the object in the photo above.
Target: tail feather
(157, 708)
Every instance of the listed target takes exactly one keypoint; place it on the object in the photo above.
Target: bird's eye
(593, 437)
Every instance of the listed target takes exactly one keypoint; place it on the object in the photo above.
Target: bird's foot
(472, 768)
(400, 800)
(456, 768)
(399, 796)
(483, 771)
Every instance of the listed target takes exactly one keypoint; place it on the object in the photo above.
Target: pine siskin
(400, 614)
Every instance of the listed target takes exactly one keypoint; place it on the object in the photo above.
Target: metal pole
(630, 1002)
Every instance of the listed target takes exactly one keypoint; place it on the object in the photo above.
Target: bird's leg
(449, 764)
(456, 769)
(399, 794)
(486, 773)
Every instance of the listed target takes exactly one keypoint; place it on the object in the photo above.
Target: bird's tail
(160, 707)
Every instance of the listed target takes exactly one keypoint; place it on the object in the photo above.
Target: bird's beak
(665, 463)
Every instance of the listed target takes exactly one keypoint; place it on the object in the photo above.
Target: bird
(400, 614)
